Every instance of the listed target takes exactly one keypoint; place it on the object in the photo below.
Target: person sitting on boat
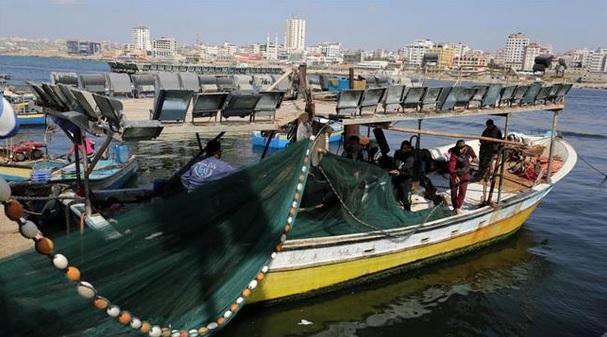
(368, 150)
(209, 169)
(488, 149)
(460, 158)
(403, 174)
(88, 148)
(352, 148)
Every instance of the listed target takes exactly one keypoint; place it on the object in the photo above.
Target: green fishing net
(179, 262)
(368, 201)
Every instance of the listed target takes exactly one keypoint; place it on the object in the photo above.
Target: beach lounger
(119, 84)
(96, 83)
(171, 105)
(371, 99)
(241, 105)
(506, 95)
(430, 98)
(393, 97)
(519, 93)
(268, 103)
(348, 102)
(413, 97)
(189, 81)
(208, 105)
(492, 96)
(531, 94)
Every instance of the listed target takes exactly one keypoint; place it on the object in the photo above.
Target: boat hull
(10, 172)
(304, 271)
(31, 119)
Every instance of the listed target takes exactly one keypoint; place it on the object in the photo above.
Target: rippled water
(550, 279)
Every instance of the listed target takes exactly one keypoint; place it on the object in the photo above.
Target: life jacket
(462, 165)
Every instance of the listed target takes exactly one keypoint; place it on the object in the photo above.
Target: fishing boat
(186, 263)
(28, 114)
(107, 174)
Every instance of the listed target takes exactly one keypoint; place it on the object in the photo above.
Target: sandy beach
(11, 242)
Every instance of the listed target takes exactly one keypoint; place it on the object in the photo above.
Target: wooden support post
(555, 120)
(351, 78)
(200, 149)
(503, 162)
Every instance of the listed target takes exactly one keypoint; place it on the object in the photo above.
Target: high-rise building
(515, 50)
(413, 53)
(142, 39)
(295, 34)
(164, 47)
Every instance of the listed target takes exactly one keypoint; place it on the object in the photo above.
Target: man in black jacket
(488, 149)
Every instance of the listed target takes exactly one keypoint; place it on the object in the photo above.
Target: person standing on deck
(209, 169)
(460, 158)
(488, 149)
(403, 175)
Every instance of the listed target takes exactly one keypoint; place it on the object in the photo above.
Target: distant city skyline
(355, 24)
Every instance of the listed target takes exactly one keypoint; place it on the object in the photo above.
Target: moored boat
(314, 264)
(197, 257)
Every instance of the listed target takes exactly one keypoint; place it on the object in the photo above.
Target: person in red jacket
(460, 158)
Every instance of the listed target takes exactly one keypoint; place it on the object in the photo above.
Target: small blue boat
(31, 119)
(280, 140)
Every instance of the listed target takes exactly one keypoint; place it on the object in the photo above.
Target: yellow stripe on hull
(24, 172)
(288, 283)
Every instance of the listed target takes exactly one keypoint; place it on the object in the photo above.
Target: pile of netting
(358, 197)
(179, 262)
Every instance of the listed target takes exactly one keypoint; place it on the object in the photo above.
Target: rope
(589, 164)
(26, 198)
(372, 227)
(592, 166)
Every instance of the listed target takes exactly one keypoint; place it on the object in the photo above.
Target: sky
(356, 24)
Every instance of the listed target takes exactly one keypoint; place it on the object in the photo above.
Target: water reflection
(401, 300)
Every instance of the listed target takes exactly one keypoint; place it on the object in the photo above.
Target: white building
(598, 61)
(141, 38)
(164, 47)
(531, 52)
(515, 50)
(330, 49)
(413, 53)
(295, 34)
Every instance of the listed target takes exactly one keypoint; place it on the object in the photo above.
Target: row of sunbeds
(399, 98)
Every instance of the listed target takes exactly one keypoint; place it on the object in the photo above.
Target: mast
(555, 120)
(503, 161)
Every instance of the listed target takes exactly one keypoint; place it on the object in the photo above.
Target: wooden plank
(455, 135)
